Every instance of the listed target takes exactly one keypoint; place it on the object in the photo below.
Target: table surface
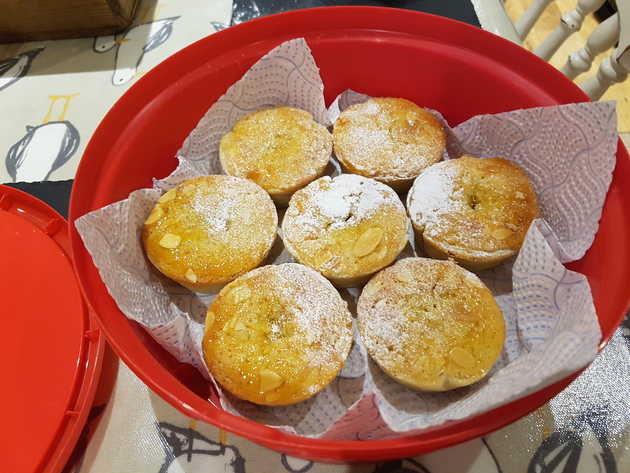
(586, 428)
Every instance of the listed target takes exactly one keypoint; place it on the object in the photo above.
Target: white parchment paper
(552, 328)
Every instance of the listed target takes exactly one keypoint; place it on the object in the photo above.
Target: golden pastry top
(281, 149)
(209, 230)
(388, 139)
(277, 335)
(345, 226)
(430, 324)
(480, 205)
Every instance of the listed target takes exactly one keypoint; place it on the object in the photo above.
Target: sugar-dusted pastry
(389, 139)
(347, 227)
(281, 149)
(209, 230)
(474, 210)
(430, 324)
(277, 335)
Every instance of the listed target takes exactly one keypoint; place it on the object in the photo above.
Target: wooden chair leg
(493, 17)
(569, 24)
(609, 73)
(603, 38)
(529, 17)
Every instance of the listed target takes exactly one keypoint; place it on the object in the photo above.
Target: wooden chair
(615, 30)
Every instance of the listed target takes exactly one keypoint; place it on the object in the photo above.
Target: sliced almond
(239, 294)
(462, 357)
(273, 397)
(466, 315)
(188, 189)
(240, 332)
(229, 325)
(255, 175)
(170, 241)
(168, 196)
(519, 195)
(190, 275)
(269, 380)
(255, 327)
(381, 253)
(368, 241)
(264, 329)
(323, 257)
(502, 233)
(404, 276)
(207, 245)
(370, 290)
(313, 378)
(155, 215)
(210, 318)
(288, 330)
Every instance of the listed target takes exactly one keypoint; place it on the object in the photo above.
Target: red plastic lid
(51, 352)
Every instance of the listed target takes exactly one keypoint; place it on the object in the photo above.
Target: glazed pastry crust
(346, 228)
(277, 335)
(474, 210)
(209, 230)
(430, 324)
(281, 149)
(388, 139)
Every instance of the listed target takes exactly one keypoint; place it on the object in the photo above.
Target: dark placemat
(54, 193)
(462, 10)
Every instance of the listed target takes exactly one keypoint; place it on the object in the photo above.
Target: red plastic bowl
(443, 64)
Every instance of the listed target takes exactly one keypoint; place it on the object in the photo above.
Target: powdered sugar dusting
(334, 206)
(340, 202)
(216, 216)
(382, 318)
(387, 325)
(366, 141)
(388, 138)
(433, 194)
(231, 209)
(371, 107)
(319, 311)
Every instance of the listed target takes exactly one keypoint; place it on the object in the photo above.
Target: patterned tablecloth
(53, 95)
(585, 429)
